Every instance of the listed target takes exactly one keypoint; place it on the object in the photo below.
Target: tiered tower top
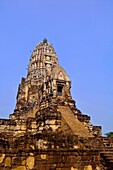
(45, 77)
(43, 56)
(46, 50)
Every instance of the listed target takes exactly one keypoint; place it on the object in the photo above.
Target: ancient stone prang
(47, 131)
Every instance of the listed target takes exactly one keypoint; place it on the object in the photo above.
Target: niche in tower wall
(59, 90)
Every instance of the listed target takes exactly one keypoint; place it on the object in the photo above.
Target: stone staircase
(107, 152)
(76, 126)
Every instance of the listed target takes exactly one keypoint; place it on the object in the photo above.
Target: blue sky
(81, 32)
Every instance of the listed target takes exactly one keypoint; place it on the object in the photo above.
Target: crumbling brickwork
(46, 131)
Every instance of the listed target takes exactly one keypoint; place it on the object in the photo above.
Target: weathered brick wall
(47, 152)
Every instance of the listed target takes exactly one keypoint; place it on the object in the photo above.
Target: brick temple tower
(45, 78)
(46, 131)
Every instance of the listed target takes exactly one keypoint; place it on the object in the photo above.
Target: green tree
(109, 134)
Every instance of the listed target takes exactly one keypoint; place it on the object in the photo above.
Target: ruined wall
(52, 151)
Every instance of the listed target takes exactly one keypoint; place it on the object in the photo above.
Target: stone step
(108, 146)
(108, 154)
(109, 157)
(110, 160)
(107, 149)
(76, 126)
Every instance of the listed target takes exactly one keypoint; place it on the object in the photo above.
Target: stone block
(43, 156)
(7, 162)
(2, 156)
(20, 168)
(30, 162)
(89, 167)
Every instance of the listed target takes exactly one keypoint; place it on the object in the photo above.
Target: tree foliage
(109, 134)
